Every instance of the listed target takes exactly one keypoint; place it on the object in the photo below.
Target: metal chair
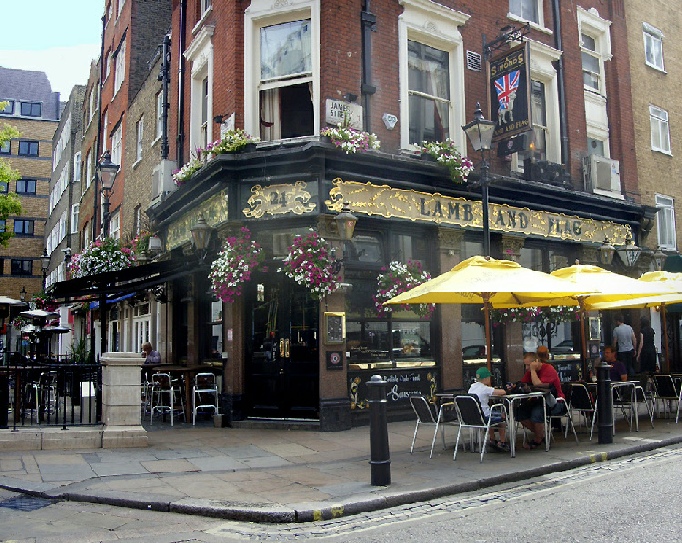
(582, 403)
(624, 400)
(568, 421)
(471, 416)
(641, 398)
(165, 397)
(664, 389)
(447, 415)
(204, 388)
(425, 416)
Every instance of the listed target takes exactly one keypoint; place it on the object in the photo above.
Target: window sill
(662, 151)
(204, 16)
(137, 163)
(534, 26)
(656, 68)
(156, 141)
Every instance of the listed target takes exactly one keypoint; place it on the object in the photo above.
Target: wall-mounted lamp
(659, 258)
(155, 245)
(345, 225)
(629, 253)
(606, 251)
(218, 119)
(201, 236)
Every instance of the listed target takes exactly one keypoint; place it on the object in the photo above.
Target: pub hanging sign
(509, 77)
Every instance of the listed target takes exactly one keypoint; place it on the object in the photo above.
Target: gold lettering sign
(278, 200)
(214, 210)
(435, 208)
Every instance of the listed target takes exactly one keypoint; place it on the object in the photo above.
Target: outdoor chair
(470, 416)
(447, 415)
(166, 397)
(623, 401)
(204, 394)
(641, 398)
(583, 404)
(424, 418)
(664, 390)
(563, 419)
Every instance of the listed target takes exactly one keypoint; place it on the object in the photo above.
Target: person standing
(646, 349)
(624, 341)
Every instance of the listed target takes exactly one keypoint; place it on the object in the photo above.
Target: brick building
(409, 71)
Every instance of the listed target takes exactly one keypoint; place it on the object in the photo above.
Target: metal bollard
(4, 401)
(604, 404)
(380, 461)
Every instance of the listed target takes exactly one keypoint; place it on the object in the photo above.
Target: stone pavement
(267, 475)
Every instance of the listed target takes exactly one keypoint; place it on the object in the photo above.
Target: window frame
(261, 14)
(666, 212)
(538, 6)
(120, 66)
(27, 227)
(75, 211)
(139, 135)
(116, 144)
(437, 27)
(200, 55)
(24, 264)
(654, 36)
(26, 184)
(663, 123)
(6, 148)
(31, 105)
(9, 108)
(592, 25)
(159, 115)
(30, 143)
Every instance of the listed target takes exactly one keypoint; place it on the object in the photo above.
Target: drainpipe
(369, 25)
(164, 76)
(560, 82)
(180, 141)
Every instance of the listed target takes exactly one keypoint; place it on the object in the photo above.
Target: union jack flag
(505, 86)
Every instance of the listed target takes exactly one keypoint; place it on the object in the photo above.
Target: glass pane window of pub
(429, 92)
(286, 108)
(22, 266)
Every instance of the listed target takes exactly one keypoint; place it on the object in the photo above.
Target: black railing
(51, 393)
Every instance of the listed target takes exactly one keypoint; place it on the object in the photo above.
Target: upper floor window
(121, 3)
(660, 131)
(139, 133)
(4, 187)
(529, 10)
(31, 109)
(205, 5)
(5, 147)
(429, 91)
(116, 145)
(200, 54)
(3, 225)
(8, 108)
(653, 47)
(77, 167)
(28, 148)
(592, 67)
(26, 186)
(665, 222)
(75, 209)
(115, 225)
(23, 227)
(92, 105)
(205, 91)
(108, 65)
(595, 46)
(120, 68)
(22, 266)
(159, 114)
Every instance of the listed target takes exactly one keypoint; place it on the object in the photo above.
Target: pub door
(282, 365)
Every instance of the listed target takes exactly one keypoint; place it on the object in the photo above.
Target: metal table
(512, 399)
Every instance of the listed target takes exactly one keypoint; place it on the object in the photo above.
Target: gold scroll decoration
(278, 200)
(412, 205)
(214, 210)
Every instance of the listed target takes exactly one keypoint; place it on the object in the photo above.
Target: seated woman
(541, 376)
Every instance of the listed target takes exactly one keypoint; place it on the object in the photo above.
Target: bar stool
(165, 397)
(204, 390)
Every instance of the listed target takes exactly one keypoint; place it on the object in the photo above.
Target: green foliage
(9, 203)
(79, 352)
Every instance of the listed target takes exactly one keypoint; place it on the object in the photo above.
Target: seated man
(618, 370)
(541, 376)
(149, 354)
(484, 391)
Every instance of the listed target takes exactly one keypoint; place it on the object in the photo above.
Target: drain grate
(26, 503)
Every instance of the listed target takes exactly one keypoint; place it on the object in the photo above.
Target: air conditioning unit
(162, 179)
(601, 174)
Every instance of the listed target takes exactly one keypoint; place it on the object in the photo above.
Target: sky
(58, 37)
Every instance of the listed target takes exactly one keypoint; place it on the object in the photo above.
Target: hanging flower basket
(399, 278)
(233, 266)
(447, 154)
(233, 141)
(350, 140)
(530, 315)
(309, 264)
(184, 174)
(44, 301)
(103, 255)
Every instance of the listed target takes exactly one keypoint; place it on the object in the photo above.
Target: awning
(673, 264)
(95, 304)
(130, 280)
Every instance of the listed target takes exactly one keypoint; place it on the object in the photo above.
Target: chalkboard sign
(568, 371)
(401, 385)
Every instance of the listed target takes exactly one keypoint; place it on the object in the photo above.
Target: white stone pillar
(121, 379)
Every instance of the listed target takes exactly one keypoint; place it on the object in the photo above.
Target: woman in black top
(646, 354)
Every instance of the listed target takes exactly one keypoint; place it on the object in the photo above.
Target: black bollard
(4, 401)
(380, 460)
(604, 404)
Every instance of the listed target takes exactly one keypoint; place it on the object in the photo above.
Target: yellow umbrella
(493, 283)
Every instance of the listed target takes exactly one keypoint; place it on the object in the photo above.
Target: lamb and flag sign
(510, 93)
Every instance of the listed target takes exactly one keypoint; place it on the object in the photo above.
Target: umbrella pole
(583, 338)
(486, 324)
(665, 339)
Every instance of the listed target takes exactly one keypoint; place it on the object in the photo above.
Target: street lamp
(345, 225)
(629, 253)
(659, 258)
(44, 265)
(22, 294)
(201, 236)
(480, 134)
(107, 171)
(606, 251)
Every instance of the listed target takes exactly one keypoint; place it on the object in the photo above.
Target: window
(4, 187)
(660, 132)
(28, 148)
(75, 208)
(120, 68)
(653, 47)
(21, 266)
(203, 139)
(3, 225)
(431, 67)
(596, 147)
(6, 147)
(121, 3)
(77, 167)
(8, 108)
(92, 104)
(105, 129)
(159, 114)
(592, 72)
(87, 234)
(538, 107)
(26, 186)
(206, 5)
(116, 145)
(528, 10)
(137, 220)
(31, 109)
(139, 132)
(23, 227)
(200, 54)
(115, 225)
(88, 170)
(665, 222)
(429, 93)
